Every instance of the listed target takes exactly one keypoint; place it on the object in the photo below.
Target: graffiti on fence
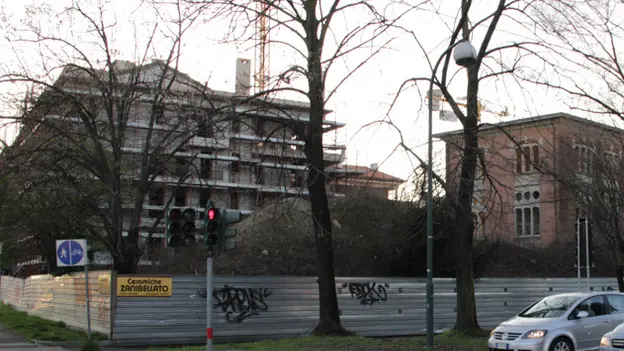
(607, 288)
(367, 293)
(239, 303)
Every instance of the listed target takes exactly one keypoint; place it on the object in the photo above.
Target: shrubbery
(372, 237)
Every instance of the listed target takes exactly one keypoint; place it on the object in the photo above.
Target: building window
(236, 125)
(296, 178)
(527, 221)
(527, 211)
(479, 225)
(206, 169)
(233, 199)
(613, 161)
(181, 166)
(180, 197)
(259, 126)
(205, 129)
(204, 196)
(235, 165)
(156, 198)
(527, 159)
(258, 175)
(584, 159)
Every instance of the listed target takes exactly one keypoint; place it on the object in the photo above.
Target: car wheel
(561, 344)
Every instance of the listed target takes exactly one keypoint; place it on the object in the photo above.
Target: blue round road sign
(70, 252)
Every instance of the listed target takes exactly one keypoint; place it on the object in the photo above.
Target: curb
(69, 344)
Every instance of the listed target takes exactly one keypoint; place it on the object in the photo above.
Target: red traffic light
(212, 214)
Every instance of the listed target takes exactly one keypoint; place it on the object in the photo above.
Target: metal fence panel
(256, 307)
(62, 298)
(12, 291)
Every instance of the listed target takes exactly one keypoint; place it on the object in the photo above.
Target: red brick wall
(557, 207)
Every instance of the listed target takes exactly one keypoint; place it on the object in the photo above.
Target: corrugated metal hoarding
(167, 310)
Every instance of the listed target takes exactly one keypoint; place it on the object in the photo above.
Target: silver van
(563, 322)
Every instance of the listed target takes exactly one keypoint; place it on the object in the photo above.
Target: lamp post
(464, 55)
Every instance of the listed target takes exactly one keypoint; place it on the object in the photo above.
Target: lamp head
(465, 54)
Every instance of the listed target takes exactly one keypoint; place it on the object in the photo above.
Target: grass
(33, 327)
(449, 341)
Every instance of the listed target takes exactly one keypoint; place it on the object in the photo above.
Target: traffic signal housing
(180, 226)
(229, 234)
(173, 230)
(212, 225)
(216, 232)
(188, 226)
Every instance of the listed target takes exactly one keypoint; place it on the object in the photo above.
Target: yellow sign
(144, 286)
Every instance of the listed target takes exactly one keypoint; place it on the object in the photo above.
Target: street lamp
(464, 55)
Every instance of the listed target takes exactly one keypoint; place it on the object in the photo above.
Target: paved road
(9, 341)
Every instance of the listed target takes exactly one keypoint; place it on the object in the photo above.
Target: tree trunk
(466, 320)
(619, 273)
(329, 315)
(128, 260)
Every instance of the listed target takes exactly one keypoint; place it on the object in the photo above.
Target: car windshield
(549, 307)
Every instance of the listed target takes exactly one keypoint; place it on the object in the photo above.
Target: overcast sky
(367, 95)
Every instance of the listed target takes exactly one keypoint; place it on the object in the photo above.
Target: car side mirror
(582, 314)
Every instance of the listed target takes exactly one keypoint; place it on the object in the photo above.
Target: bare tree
(116, 123)
(316, 47)
(488, 64)
(590, 175)
(581, 41)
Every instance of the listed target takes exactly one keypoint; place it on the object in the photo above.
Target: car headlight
(492, 333)
(605, 341)
(536, 334)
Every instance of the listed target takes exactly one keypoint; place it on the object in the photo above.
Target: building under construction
(241, 162)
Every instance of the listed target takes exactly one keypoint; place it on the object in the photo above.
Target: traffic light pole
(209, 300)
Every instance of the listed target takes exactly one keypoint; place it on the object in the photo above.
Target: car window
(593, 305)
(616, 302)
(549, 307)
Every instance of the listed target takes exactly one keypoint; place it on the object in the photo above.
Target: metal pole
(587, 267)
(209, 301)
(578, 253)
(429, 291)
(86, 270)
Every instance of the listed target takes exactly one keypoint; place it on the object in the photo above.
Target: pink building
(520, 197)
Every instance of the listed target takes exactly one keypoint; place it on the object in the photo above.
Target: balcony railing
(214, 143)
(334, 157)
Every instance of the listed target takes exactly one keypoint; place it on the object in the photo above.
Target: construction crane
(262, 47)
(438, 97)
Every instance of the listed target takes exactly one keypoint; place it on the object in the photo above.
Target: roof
(74, 72)
(362, 172)
(542, 118)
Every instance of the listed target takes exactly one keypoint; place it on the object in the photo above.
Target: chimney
(243, 76)
(374, 166)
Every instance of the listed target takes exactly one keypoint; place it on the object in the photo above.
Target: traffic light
(229, 234)
(188, 226)
(173, 230)
(212, 225)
